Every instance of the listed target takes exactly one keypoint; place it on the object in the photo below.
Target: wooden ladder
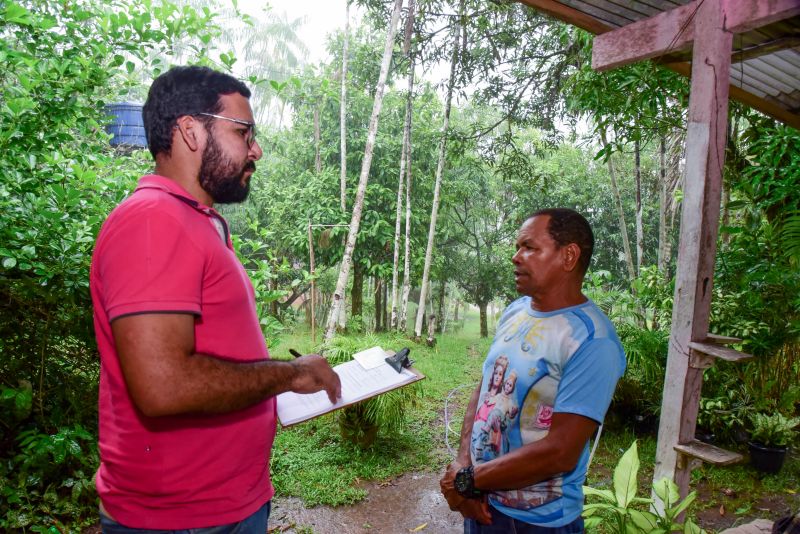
(702, 355)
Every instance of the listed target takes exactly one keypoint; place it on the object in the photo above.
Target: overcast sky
(322, 18)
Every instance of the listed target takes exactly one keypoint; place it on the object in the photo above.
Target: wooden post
(705, 158)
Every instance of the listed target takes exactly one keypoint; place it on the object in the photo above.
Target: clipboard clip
(400, 360)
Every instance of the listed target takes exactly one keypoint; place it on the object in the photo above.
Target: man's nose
(256, 151)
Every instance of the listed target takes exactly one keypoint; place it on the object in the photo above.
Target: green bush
(63, 61)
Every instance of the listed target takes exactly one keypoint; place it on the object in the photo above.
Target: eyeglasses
(250, 139)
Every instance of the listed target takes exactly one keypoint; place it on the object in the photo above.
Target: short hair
(183, 91)
(568, 226)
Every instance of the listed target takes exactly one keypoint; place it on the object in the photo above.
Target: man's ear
(570, 254)
(190, 131)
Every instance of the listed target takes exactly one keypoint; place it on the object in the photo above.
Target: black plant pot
(766, 459)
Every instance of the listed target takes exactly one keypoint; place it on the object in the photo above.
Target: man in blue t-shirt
(547, 382)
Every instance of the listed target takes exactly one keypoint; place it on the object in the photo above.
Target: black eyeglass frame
(251, 126)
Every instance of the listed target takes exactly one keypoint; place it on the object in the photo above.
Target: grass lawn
(311, 461)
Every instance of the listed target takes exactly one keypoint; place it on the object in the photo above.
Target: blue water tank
(126, 124)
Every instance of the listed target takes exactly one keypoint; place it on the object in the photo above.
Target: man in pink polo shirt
(187, 390)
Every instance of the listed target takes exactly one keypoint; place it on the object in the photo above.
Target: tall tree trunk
(674, 154)
(378, 305)
(623, 228)
(403, 162)
(343, 112)
(439, 170)
(445, 317)
(484, 325)
(662, 204)
(440, 312)
(317, 155)
(357, 291)
(358, 206)
(385, 305)
(639, 221)
(407, 250)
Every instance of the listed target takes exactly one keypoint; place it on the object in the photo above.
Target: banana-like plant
(616, 511)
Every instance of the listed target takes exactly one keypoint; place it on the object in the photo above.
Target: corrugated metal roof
(764, 62)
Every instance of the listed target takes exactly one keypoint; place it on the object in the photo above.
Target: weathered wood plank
(718, 351)
(746, 15)
(705, 156)
(669, 31)
(722, 340)
(674, 30)
(708, 453)
(569, 15)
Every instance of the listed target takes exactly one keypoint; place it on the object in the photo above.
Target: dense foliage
(518, 75)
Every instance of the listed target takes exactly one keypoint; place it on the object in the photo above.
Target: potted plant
(769, 439)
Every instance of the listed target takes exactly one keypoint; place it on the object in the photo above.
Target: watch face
(460, 482)
(463, 481)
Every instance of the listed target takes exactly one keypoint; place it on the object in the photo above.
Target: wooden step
(721, 340)
(708, 453)
(702, 354)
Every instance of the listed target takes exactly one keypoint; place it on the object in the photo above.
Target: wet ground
(410, 503)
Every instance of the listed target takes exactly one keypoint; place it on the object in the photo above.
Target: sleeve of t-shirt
(589, 379)
(149, 263)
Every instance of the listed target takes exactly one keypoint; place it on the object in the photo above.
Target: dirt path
(405, 504)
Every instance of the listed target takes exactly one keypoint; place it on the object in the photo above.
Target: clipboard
(358, 384)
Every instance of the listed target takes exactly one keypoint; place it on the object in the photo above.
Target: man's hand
(447, 485)
(314, 373)
(477, 509)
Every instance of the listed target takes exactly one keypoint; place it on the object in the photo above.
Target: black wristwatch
(465, 483)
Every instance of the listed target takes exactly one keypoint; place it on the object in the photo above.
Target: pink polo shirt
(162, 251)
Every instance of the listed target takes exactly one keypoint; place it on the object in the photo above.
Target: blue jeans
(503, 524)
(254, 524)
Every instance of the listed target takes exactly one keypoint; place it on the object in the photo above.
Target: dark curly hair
(568, 226)
(183, 91)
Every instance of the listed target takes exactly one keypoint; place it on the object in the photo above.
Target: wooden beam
(592, 25)
(756, 102)
(763, 49)
(702, 186)
(648, 38)
(569, 15)
(746, 15)
(674, 30)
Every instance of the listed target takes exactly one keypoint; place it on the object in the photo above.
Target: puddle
(400, 506)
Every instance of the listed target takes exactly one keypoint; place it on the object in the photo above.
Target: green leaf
(625, 483)
(9, 263)
(677, 510)
(606, 495)
(15, 13)
(645, 521)
(667, 491)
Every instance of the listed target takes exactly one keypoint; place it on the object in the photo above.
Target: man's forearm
(164, 376)
(206, 384)
(556, 453)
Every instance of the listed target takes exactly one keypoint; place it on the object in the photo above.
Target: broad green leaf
(9, 263)
(645, 521)
(591, 523)
(604, 494)
(625, 483)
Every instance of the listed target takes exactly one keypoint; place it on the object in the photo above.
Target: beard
(221, 177)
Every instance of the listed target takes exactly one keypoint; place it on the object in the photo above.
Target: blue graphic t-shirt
(568, 361)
